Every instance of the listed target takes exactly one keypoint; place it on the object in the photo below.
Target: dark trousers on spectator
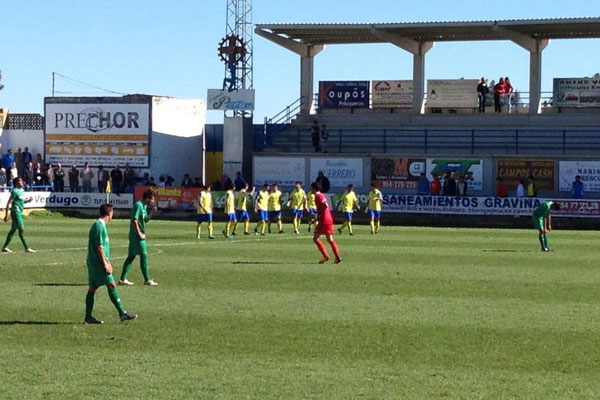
(481, 102)
(497, 104)
(101, 186)
(87, 187)
(74, 187)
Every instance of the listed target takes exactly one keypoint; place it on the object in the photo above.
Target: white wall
(34, 139)
(177, 138)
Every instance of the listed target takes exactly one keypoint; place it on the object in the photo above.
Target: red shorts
(324, 229)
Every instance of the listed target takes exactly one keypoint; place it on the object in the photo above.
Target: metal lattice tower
(237, 47)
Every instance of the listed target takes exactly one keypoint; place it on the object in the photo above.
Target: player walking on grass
(229, 210)
(349, 202)
(16, 203)
(542, 221)
(311, 208)
(241, 209)
(205, 212)
(99, 267)
(137, 239)
(374, 208)
(324, 226)
(297, 202)
(261, 206)
(274, 207)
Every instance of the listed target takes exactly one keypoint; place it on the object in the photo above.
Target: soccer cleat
(150, 283)
(125, 282)
(29, 250)
(309, 228)
(128, 317)
(6, 250)
(547, 250)
(339, 231)
(246, 233)
(198, 237)
(338, 260)
(233, 234)
(323, 260)
(262, 234)
(211, 237)
(92, 321)
(351, 234)
(280, 232)
(296, 231)
(225, 234)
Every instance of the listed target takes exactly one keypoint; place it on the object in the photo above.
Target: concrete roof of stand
(446, 31)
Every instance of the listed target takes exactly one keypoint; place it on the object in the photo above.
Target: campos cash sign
(283, 170)
(388, 94)
(397, 173)
(588, 170)
(70, 200)
(344, 94)
(512, 170)
(236, 100)
(485, 206)
(472, 170)
(452, 93)
(576, 92)
(341, 172)
(98, 133)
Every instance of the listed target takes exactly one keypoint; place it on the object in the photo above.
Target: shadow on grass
(59, 284)
(34, 323)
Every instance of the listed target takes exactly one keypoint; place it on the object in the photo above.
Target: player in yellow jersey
(349, 203)
(261, 206)
(241, 209)
(374, 207)
(297, 202)
(205, 211)
(229, 210)
(311, 208)
(274, 207)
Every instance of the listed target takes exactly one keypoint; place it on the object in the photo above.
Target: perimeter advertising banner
(392, 94)
(471, 169)
(224, 100)
(70, 200)
(341, 172)
(106, 134)
(344, 94)
(513, 206)
(588, 170)
(452, 93)
(283, 170)
(177, 198)
(511, 170)
(397, 173)
(576, 92)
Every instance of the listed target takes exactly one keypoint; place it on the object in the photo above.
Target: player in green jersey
(16, 203)
(542, 221)
(99, 267)
(137, 239)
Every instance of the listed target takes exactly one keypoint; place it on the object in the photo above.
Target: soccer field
(411, 313)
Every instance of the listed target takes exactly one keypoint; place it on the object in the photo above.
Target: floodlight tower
(235, 49)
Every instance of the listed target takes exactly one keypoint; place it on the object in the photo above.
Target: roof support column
(535, 77)
(418, 50)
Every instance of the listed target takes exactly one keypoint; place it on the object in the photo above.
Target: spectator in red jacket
(501, 188)
(499, 92)
(436, 186)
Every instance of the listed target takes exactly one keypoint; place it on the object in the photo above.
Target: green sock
(127, 267)
(22, 237)
(541, 238)
(8, 238)
(546, 245)
(116, 300)
(89, 304)
(144, 267)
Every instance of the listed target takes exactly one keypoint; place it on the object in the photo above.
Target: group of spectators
(449, 184)
(502, 91)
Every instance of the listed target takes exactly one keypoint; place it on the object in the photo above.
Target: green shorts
(18, 221)
(97, 277)
(538, 222)
(137, 247)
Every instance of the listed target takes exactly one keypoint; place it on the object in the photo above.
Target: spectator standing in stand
(324, 136)
(8, 159)
(19, 162)
(27, 157)
(48, 177)
(423, 185)
(74, 179)
(531, 187)
(482, 91)
(508, 90)
(128, 178)
(577, 188)
(323, 182)
(239, 181)
(103, 177)
(38, 176)
(161, 181)
(187, 181)
(3, 179)
(501, 188)
(59, 178)
(116, 176)
(315, 132)
(449, 187)
(521, 191)
(499, 92)
(225, 182)
(436, 186)
(461, 186)
(14, 172)
(28, 175)
(86, 176)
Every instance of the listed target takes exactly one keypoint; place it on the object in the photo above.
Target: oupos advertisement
(70, 200)
(341, 172)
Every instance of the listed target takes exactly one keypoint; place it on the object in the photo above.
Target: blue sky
(170, 47)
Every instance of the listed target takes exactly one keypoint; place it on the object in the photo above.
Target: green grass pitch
(411, 313)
